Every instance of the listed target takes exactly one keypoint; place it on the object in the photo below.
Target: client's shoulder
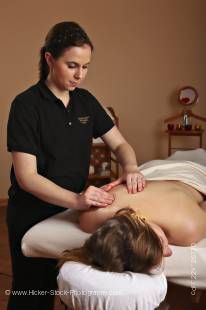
(92, 219)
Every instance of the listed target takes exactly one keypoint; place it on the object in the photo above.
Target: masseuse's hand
(94, 196)
(134, 180)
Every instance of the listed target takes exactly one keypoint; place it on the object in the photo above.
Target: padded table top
(187, 265)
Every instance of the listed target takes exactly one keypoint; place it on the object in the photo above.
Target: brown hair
(61, 36)
(126, 242)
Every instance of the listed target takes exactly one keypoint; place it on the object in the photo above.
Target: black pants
(34, 279)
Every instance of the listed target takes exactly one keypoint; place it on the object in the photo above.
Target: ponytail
(43, 66)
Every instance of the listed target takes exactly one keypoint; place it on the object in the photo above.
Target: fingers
(135, 182)
(106, 187)
(93, 203)
(111, 185)
(140, 183)
(101, 199)
(98, 197)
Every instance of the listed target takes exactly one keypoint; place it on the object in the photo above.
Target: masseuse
(50, 131)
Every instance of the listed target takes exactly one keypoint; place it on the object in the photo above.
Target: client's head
(126, 242)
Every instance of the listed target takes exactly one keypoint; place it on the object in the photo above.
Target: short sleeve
(102, 121)
(22, 127)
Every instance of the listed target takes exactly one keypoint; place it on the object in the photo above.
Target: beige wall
(144, 51)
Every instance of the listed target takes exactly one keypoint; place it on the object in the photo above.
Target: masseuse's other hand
(134, 180)
(94, 196)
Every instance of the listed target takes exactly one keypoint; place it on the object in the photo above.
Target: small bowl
(188, 127)
(179, 127)
(170, 126)
(197, 127)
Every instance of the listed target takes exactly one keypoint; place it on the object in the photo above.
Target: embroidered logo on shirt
(84, 119)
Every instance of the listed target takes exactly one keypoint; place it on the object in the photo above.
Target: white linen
(54, 235)
(187, 172)
(85, 288)
(187, 265)
(197, 156)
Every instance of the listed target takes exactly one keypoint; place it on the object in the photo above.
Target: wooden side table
(183, 132)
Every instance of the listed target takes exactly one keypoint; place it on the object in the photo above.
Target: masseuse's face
(166, 249)
(70, 69)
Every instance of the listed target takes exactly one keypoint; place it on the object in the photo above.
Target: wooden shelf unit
(103, 162)
(183, 132)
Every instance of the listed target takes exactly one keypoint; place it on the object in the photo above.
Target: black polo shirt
(59, 137)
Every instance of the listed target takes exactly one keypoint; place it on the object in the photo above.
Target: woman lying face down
(125, 240)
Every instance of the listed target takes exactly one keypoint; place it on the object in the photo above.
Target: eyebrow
(76, 63)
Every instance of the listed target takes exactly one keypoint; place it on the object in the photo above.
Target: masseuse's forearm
(126, 157)
(48, 191)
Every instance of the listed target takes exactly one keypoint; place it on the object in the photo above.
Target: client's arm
(93, 218)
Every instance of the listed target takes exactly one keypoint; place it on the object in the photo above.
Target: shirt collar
(47, 94)
(45, 91)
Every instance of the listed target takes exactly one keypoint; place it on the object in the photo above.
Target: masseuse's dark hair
(61, 36)
(124, 243)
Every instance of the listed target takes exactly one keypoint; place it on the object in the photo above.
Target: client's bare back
(172, 205)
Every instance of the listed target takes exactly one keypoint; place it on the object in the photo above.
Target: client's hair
(126, 242)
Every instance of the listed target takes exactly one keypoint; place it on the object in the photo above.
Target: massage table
(84, 287)
(90, 289)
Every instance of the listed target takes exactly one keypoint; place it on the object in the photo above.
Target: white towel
(187, 172)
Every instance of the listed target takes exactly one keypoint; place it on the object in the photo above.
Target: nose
(78, 74)
(167, 252)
